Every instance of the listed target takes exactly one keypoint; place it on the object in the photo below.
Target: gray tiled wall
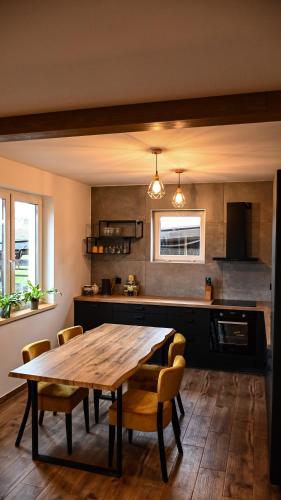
(231, 280)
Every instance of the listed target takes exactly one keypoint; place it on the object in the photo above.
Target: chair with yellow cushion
(147, 411)
(146, 377)
(69, 333)
(53, 397)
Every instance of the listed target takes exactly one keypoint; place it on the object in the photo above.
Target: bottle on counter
(208, 289)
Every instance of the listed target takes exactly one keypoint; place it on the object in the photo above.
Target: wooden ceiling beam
(199, 112)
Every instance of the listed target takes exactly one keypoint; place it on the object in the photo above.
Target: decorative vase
(34, 303)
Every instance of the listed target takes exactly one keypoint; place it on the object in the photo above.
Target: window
(20, 240)
(178, 236)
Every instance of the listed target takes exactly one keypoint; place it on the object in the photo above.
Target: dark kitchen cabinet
(92, 314)
(192, 323)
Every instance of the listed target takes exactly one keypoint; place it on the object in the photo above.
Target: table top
(102, 358)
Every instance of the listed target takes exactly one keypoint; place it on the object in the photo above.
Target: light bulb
(178, 198)
(156, 187)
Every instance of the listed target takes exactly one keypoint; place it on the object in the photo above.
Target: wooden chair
(53, 397)
(147, 411)
(146, 377)
(68, 334)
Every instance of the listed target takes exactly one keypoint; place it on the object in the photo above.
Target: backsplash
(239, 280)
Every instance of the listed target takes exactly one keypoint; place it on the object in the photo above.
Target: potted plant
(34, 293)
(6, 303)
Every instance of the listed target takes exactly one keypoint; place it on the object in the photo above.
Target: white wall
(71, 201)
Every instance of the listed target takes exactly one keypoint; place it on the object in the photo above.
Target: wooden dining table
(102, 358)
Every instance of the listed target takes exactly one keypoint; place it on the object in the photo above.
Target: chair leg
(161, 442)
(41, 417)
(97, 394)
(55, 413)
(113, 396)
(24, 419)
(86, 413)
(176, 427)
(68, 426)
(180, 404)
(111, 440)
(130, 435)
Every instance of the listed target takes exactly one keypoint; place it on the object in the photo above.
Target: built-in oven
(232, 331)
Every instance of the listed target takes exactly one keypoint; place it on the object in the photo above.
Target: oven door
(230, 336)
(233, 333)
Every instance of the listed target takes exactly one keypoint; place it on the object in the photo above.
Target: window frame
(155, 236)
(11, 197)
(6, 195)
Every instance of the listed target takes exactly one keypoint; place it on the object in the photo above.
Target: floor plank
(24, 492)
(197, 431)
(239, 477)
(222, 419)
(216, 451)
(209, 485)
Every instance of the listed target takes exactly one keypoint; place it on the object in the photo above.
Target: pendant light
(156, 189)
(178, 200)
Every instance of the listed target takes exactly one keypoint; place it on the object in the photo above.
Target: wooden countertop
(167, 301)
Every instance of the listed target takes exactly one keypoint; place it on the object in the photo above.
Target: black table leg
(34, 402)
(119, 431)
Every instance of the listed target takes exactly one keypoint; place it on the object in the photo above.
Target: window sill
(166, 261)
(25, 313)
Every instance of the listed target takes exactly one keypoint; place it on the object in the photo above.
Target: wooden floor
(224, 438)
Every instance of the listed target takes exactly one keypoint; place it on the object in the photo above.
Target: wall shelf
(114, 237)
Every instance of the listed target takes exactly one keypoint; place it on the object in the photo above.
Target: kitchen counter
(195, 302)
(148, 300)
(168, 301)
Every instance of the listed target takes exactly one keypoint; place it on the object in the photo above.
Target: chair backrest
(169, 380)
(68, 334)
(33, 350)
(176, 348)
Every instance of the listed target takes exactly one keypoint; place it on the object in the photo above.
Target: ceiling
(68, 54)
(247, 152)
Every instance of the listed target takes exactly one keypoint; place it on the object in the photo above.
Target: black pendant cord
(156, 172)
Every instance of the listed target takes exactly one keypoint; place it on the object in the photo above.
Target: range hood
(238, 230)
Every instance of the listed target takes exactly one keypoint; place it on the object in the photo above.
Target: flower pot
(34, 303)
(6, 312)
